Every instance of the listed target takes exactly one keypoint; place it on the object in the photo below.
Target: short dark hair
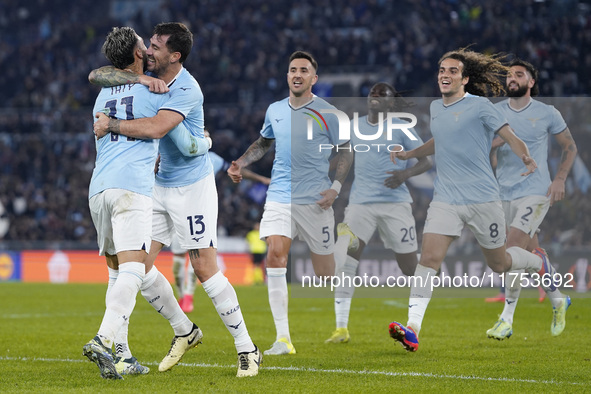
(180, 38)
(304, 55)
(119, 46)
(533, 72)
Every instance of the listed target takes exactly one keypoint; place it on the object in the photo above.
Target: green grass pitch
(43, 328)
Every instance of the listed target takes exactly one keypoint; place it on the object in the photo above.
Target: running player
(300, 197)
(526, 200)
(379, 200)
(466, 191)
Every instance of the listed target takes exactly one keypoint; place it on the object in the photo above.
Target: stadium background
(240, 59)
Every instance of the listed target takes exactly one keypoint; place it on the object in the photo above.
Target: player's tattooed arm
(111, 76)
(344, 159)
(115, 125)
(569, 152)
(254, 152)
(556, 191)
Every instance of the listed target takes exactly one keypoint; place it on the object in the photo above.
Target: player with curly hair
(463, 124)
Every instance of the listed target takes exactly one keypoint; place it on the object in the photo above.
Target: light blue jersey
(463, 134)
(176, 170)
(300, 169)
(533, 124)
(371, 166)
(218, 162)
(124, 162)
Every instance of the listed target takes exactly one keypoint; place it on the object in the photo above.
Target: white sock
(191, 281)
(113, 274)
(344, 293)
(223, 296)
(533, 263)
(178, 269)
(524, 260)
(512, 291)
(420, 295)
(121, 345)
(121, 300)
(556, 298)
(278, 297)
(157, 291)
(340, 251)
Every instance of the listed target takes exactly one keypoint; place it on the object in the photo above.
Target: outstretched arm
(111, 76)
(399, 177)
(254, 152)
(427, 149)
(253, 176)
(343, 159)
(518, 147)
(569, 152)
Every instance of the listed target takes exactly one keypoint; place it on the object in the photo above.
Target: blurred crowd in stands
(240, 57)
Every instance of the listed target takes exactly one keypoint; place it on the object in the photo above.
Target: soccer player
(185, 279)
(121, 205)
(526, 200)
(300, 197)
(379, 200)
(466, 191)
(185, 196)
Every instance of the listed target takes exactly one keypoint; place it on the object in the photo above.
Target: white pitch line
(44, 315)
(338, 371)
(68, 314)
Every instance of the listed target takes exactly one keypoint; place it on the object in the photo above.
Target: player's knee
(276, 258)
(430, 261)
(324, 272)
(498, 266)
(324, 265)
(408, 269)
(204, 262)
(407, 263)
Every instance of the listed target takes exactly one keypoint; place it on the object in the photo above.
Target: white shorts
(310, 223)
(189, 211)
(123, 221)
(487, 221)
(394, 222)
(175, 247)
(526, 213)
